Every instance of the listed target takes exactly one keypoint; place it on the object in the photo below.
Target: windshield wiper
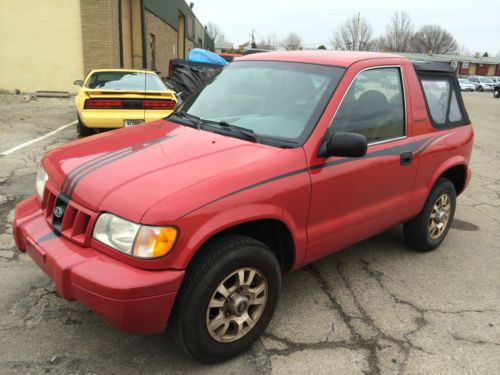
(195, 120)
(249, 134)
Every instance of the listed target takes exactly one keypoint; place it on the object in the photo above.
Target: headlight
(141, 241)
(41, 179)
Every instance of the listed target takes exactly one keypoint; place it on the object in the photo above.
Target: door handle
(406, 158)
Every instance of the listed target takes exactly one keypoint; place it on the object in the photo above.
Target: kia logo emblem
(59, 212)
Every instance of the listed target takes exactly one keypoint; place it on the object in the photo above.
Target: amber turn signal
(154, 242)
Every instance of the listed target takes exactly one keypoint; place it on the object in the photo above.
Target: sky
(475, 27)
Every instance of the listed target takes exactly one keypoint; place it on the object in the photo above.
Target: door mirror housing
(345, 144)
(78, 82)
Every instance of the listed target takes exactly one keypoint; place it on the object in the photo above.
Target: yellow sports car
(116, 98)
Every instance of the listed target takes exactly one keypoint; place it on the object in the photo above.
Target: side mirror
(78, 82)
(350, 145)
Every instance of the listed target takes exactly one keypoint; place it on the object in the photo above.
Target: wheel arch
(456, 170)
(271, 227)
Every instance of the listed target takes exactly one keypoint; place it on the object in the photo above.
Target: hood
(127, 171)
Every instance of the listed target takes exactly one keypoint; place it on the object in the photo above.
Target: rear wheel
(427, 230)
(82, 130)
(480, 88)
(496, 93)
(228, 297)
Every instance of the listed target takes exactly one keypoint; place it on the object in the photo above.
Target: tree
(434, 39)
(354, 34)
(379, 44)
(215, 33)
(292, 42)
(485, 54)
(463, 51)
(398, 34)
(270, 42)
(322, 47)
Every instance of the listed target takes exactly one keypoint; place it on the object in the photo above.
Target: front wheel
(480, 89)
(496, 93)
(429, 228)
(228, 297)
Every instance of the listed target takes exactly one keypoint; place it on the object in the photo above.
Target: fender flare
(240, 215)
(448, 164)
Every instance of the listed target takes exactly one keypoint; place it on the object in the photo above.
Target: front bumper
(131, 299)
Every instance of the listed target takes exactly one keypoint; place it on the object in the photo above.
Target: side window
(373, 106)
(441, 100)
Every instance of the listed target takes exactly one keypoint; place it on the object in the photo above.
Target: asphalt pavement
(374, 308)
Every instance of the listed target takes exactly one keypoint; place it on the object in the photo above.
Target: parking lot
(374, 308)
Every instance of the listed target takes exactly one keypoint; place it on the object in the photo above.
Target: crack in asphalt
(372, 344)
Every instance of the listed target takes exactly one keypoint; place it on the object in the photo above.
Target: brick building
(48, 45)
(463, 65)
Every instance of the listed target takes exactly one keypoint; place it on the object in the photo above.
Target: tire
(496, 93)
(82, 130)
(189, 323)
(480, 89)
(417, 232)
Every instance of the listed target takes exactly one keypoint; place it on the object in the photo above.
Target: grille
(68, 218)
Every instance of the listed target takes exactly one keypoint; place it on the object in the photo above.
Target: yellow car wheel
(82, 130)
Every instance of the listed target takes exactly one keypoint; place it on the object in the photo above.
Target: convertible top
(431, 66)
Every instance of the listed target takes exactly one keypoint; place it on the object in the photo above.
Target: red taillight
(103, 104)
(158, 104)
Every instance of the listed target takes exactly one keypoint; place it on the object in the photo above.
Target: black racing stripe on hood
(396, 150)
(117, 156)
(87, 166)
(82, 167)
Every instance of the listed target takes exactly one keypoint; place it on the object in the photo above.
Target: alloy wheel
(440, 216)
(236, 305)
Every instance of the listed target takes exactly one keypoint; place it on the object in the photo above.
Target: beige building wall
(165, 42)
(100, 34)
(189, 46)
(41, 45)
(491, 70)
(472, 69)
(127, 33)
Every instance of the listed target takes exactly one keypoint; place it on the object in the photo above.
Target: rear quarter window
(443, 99)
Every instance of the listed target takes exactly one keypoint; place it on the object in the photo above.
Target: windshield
(125, 81)
(274, 99)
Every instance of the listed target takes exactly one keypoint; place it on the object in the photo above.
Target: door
(181, 50)
(354, 198)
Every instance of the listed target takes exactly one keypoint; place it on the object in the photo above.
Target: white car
(466, 85)
(496, 80)
(482, 83)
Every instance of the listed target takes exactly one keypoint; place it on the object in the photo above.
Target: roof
(223, 45)
(432, 66)
(449, 58)
(322, 57)
(123, 70)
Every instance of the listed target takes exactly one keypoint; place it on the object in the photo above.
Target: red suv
(279, 160)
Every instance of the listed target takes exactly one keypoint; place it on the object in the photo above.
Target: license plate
(128, 123)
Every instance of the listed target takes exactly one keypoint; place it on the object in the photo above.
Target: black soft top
(431, 66)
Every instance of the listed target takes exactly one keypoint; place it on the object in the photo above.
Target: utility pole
(356, 43)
